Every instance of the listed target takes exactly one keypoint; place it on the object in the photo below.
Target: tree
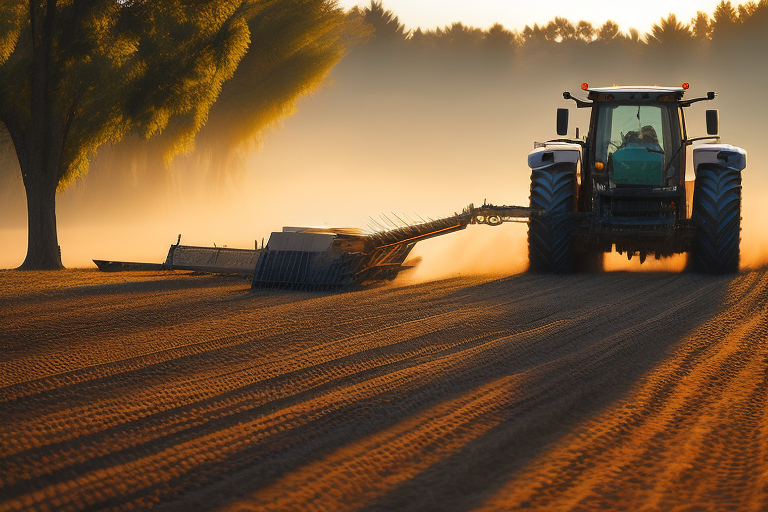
(293, 45)
(608, 32)
(10, 25)
(724, 20)
(747, 10)
(499, 39)
(564, 29)
(700, 26)
(82, 73)
(670, 32)
(633, 37)
(754, 17)
(385, 25)
(585, 31)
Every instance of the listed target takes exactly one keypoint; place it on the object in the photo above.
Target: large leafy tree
(75, 74)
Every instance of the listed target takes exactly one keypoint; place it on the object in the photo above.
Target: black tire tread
(717, 218)
(549, 236)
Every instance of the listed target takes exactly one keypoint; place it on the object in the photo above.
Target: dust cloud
(397, 130)
(478, 250)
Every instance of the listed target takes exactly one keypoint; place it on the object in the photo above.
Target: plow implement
(327, 258)
(323, 259)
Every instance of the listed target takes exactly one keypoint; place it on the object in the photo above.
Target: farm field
(182, 391)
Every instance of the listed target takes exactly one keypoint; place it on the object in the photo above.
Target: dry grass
(183, 391)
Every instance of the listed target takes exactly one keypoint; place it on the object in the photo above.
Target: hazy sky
(641, 15)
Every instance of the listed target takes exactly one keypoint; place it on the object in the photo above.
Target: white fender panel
(554, 153)
(723, 154)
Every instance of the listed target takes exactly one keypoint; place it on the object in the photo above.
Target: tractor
(623, 186)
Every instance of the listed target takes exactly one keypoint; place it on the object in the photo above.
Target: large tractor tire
(549, 236)
(717, 218)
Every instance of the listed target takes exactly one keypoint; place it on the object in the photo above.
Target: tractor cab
(634, 162)
(636, 136)
(636, 143)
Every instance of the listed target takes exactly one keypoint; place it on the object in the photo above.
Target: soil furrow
(139, 390)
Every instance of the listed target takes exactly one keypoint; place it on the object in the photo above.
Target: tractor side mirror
(562, 121)
(713, 122)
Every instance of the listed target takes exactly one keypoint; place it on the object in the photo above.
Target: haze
(423, 134)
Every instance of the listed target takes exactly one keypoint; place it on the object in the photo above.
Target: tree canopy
(103, 68)
(78, 74)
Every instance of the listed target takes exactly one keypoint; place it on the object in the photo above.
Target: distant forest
(726, 24)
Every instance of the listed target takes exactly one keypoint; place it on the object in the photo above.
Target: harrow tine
(410, 220)
(378, 224)
(389, 221)
(405, 224)
(399, 221)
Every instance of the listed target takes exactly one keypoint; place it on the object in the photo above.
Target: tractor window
(631, 141)
(620, 125)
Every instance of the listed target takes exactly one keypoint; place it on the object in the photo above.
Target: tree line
(726, 23)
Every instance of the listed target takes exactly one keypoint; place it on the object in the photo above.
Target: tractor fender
(725, 155)
(554, 153)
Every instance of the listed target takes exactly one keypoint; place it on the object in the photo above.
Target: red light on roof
(686, 85)
(584, 86)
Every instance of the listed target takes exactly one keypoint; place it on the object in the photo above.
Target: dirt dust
(181, 391)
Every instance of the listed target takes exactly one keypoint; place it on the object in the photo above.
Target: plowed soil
(616, 391)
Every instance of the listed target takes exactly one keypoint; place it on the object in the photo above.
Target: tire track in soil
(691, 436)
(110, 443)
(134, 343)
(364, 465)
(342, 401)
(297, 362)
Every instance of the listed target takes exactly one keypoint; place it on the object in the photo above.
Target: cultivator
(326, 258)
(310, 258)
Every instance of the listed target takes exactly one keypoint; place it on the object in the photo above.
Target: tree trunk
(42, 240)
(42, 144)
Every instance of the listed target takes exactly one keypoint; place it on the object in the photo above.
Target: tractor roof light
(584, 86)
(686, 85)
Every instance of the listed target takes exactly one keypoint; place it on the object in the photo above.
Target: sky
(514, 15)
